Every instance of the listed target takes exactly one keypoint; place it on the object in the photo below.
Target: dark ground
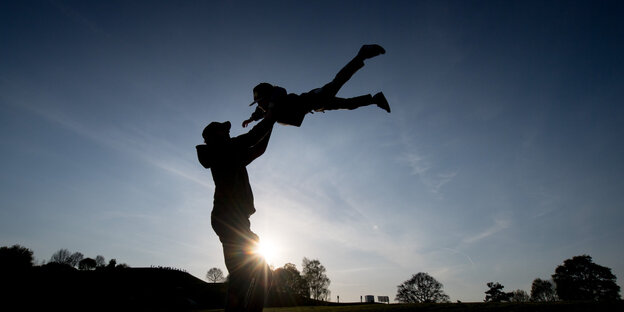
(58, 288)
(464, 307)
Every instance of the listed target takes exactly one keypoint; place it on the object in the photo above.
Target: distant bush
(15, 258)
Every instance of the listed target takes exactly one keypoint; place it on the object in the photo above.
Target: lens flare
(267, 250)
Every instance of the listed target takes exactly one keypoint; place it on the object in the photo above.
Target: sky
(502, 156)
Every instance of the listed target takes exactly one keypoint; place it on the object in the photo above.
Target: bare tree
(543, 291)
(318, 282)
(75, 258)
(100, 261)
(62, 256)
(421, 288)
(215, 275)
(520, 295)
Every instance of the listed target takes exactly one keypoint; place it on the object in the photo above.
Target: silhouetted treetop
(543, 291)
(421, 288)
(496, 293)
(62, 256)
(15, 257)
(215, 275)
(519, 295)
(580, 278)
(87, 264)
(317, 280)
(288, 279)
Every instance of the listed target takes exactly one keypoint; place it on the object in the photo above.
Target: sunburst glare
(268, 250)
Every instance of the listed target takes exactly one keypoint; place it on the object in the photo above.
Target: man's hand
(247, 122)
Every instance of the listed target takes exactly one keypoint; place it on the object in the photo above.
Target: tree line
(20, 258)
(577, 279)
(312, 282)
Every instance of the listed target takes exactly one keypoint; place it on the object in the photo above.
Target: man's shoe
(370, 50)
(381, 101)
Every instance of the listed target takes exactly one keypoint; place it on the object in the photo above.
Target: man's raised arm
(257, 139)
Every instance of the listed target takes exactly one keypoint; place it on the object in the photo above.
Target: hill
(56, 286)
(136, 289)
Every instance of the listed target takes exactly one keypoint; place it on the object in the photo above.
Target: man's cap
(214, 127)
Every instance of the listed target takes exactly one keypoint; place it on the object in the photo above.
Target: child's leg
(349, 103)
(352, 103)
(366, 51)
(331, 89)
(320, 99)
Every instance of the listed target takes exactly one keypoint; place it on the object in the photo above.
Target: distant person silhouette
(290, 109)
(249, 276)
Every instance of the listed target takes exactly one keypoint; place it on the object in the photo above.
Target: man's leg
(237, 278)
(238, 242)
(258, 290)
(250, 276)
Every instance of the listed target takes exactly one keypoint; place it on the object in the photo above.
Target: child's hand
(246, 123)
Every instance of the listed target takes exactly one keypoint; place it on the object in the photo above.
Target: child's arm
(255, 116)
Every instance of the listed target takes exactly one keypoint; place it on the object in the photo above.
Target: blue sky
(502, 156)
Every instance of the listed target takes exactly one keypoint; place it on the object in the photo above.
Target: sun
(267, 250)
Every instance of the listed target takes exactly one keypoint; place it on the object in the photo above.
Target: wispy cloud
(420, 163)
(349, 225)
(546, 203)
(417, 163)
(422, 168)
(440, 179)
(132, 141)
(461, 253)
(499, 225)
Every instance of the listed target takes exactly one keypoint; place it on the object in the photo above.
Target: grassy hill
(61, 287)
(51, 288)
(136, 289)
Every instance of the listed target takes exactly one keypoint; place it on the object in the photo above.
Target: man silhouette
(290, 109)
(227, 158)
